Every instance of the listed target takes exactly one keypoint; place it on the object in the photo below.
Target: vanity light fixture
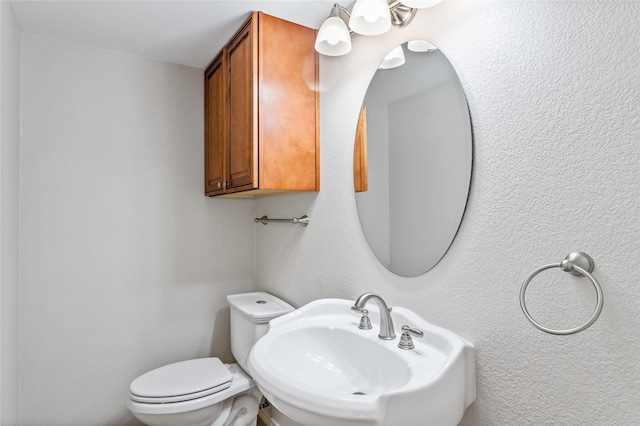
(394, 59)
(368, 17)
(334, 37)
(421, 46)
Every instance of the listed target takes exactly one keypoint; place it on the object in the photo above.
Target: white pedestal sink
(318, 368)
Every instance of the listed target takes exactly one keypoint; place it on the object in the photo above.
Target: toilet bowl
(204, 391)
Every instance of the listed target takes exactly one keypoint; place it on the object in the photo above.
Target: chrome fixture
(406, 342)
(365, 322)
(579, 264)
(386, 323)
(302, 220)
(368, 17)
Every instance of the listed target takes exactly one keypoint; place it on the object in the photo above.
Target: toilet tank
(250, 316)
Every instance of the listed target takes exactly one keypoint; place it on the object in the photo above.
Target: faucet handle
(365, 322)
(406, 342)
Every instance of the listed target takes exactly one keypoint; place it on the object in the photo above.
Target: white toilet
(206, 392)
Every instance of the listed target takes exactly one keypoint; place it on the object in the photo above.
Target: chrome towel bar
(302, 220)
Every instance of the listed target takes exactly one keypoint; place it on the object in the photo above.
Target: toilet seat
(179, 398)
(181, 381)
(240, 382)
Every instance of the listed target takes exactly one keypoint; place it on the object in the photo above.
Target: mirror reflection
(412, 159)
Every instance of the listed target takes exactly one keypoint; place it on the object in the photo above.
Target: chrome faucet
(386, 323)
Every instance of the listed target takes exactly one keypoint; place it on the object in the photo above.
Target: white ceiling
(179, 31)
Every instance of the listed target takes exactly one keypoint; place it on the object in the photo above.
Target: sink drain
(358, 393)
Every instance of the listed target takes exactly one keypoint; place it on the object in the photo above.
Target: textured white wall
(553, 89)
(9, 212)
(125, 264)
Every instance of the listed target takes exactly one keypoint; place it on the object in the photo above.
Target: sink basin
(316, 367)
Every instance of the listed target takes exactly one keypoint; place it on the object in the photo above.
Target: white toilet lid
(181, 381)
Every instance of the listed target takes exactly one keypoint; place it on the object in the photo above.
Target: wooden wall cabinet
(262, 111)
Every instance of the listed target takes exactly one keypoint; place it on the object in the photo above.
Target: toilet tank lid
(259, 307)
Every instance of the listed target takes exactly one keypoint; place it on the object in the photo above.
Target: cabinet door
(216, 127)
(288, 100)
(243, 141)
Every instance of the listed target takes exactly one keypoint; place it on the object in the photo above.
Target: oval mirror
(412, 159)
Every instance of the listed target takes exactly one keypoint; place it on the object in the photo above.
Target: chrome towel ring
(579, 264)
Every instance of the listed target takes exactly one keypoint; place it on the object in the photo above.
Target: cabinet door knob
(220, 184)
